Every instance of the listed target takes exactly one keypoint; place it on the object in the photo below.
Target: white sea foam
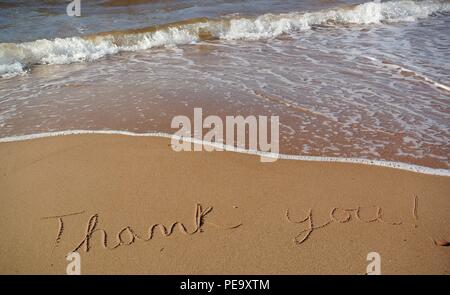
(380, 163)
(409, 71)
(16, 58)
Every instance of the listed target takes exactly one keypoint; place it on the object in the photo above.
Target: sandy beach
(351, 96)
(133, 205)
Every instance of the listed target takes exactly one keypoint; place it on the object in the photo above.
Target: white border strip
(380, 163)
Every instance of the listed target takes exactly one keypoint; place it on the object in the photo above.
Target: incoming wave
(230, 148)
(17, 58)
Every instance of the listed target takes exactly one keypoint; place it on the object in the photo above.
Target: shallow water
(369, 81)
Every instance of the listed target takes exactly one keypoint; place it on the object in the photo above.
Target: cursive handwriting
(341, 215)
(127, 235)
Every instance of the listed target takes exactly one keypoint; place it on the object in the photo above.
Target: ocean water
(348, 79)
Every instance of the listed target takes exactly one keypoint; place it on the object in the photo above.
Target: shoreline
(200, 29)
(132, 205)
(378, 163)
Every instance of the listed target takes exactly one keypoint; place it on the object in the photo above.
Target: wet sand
(132, 205)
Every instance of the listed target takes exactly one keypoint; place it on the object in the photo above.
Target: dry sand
(233, 208)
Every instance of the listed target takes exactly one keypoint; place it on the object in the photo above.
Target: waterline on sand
(379, 163)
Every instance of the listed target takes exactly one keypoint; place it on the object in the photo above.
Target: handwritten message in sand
(342, 215)
(127, 235)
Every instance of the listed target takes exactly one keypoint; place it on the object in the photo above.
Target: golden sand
(132, 205)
